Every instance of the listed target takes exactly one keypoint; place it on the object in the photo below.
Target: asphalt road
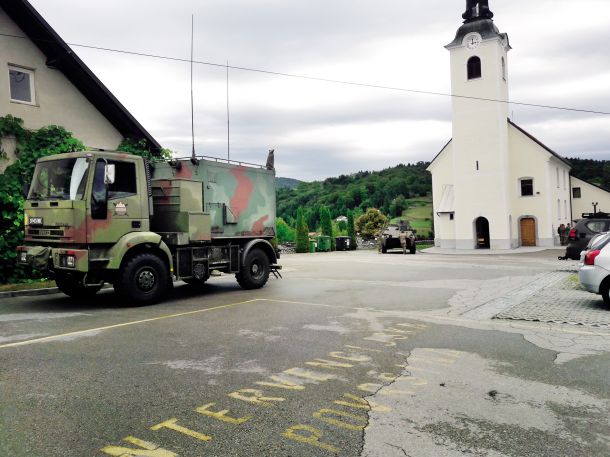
(350, 354)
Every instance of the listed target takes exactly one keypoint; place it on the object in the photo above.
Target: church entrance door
(528, 232)
(482, 233)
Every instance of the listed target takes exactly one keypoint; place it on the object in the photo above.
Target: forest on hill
(387, 190)
(594, 171)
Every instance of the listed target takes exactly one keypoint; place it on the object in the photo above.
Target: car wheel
(604, 290)
(255, 270)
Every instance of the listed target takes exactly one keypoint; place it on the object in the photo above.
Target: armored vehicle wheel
(143, 279)
(255, 270)
(413, 249)
(72, 285)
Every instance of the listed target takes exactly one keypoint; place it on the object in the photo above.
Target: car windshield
(62, 179)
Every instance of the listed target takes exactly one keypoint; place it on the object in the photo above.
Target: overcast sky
(560, 57)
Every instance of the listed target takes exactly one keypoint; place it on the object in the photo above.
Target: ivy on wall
(31, 146)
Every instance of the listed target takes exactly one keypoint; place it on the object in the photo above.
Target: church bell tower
(479, 85)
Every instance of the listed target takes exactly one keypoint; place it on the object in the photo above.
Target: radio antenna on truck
(193, 156)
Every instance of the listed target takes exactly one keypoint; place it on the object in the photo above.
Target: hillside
(390, 190)
(288, 183)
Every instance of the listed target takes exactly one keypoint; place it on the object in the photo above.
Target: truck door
(115, 209)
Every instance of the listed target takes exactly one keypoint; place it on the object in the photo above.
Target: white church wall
(589, 194)
(528, 160)
(442, 175)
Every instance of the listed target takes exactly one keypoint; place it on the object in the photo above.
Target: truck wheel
(255, 270)
(142, 280)
(71, 285)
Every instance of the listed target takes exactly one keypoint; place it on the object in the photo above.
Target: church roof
(484, 27)
(61, 57)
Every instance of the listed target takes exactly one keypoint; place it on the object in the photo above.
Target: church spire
(477, 10)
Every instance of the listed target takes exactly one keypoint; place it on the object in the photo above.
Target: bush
(370, 223)
(302, 232)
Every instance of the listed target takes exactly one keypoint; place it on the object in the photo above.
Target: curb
(36, 292)
(29, 292)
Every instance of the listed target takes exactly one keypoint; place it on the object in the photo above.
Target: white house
(43, 82)
(494, 184)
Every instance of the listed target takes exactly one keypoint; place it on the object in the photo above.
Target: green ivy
(141, 148)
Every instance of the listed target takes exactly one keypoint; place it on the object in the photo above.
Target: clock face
(472, 40)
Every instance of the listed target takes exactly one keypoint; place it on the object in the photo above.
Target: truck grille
(44, 232)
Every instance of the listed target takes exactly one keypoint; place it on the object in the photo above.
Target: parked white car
(594, 268)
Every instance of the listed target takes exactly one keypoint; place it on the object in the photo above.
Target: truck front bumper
(45, 258)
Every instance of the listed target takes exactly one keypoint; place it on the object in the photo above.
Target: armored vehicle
(105, 217)
(397, 236)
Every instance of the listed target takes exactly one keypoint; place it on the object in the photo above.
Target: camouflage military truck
(397, 236)
(104, 217)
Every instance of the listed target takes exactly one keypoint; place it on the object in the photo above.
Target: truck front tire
(72, 285)
(143, 280)
(254, 271)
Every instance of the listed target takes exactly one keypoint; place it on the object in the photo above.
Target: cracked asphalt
(351, 354)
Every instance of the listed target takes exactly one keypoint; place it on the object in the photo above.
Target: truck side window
(125, 180)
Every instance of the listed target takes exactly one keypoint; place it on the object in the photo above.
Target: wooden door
(528, 232)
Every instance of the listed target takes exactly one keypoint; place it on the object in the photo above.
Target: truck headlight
(70, 261)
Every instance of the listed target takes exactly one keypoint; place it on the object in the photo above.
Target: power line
(319, 79)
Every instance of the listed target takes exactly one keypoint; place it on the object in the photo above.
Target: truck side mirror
(109, 173)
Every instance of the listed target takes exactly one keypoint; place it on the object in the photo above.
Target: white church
(494, 184)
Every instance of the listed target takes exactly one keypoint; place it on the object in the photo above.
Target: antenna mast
(228, 124)
(193, 156)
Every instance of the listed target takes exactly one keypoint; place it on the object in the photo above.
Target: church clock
(472, 40)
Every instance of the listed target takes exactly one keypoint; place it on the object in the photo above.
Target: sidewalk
(521, 250)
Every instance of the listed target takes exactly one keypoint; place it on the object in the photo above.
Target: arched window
(474, 68)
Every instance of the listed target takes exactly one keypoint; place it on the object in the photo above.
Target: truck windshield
(63, 179)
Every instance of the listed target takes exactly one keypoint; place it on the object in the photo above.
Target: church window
(558, 209)
(527, 187)
(474, 68)
(477, 165)
(503, 69)
(450, 216)
(576, 192)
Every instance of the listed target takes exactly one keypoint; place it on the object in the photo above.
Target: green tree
(398, 205)
(302, 232)
(284, 231)
(326, 224)
(370, 223)
(351, 231)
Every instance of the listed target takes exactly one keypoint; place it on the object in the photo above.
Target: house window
(564, 180)
(575, 192)
(503, 69)
(21, 83)
(557, 177)
(474, 68)
(527, 187)
(450, 216)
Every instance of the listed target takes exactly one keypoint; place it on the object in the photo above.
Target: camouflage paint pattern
(240, 200)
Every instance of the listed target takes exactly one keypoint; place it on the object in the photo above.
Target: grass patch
(419, 215)
(423, 246)
(27, 286)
